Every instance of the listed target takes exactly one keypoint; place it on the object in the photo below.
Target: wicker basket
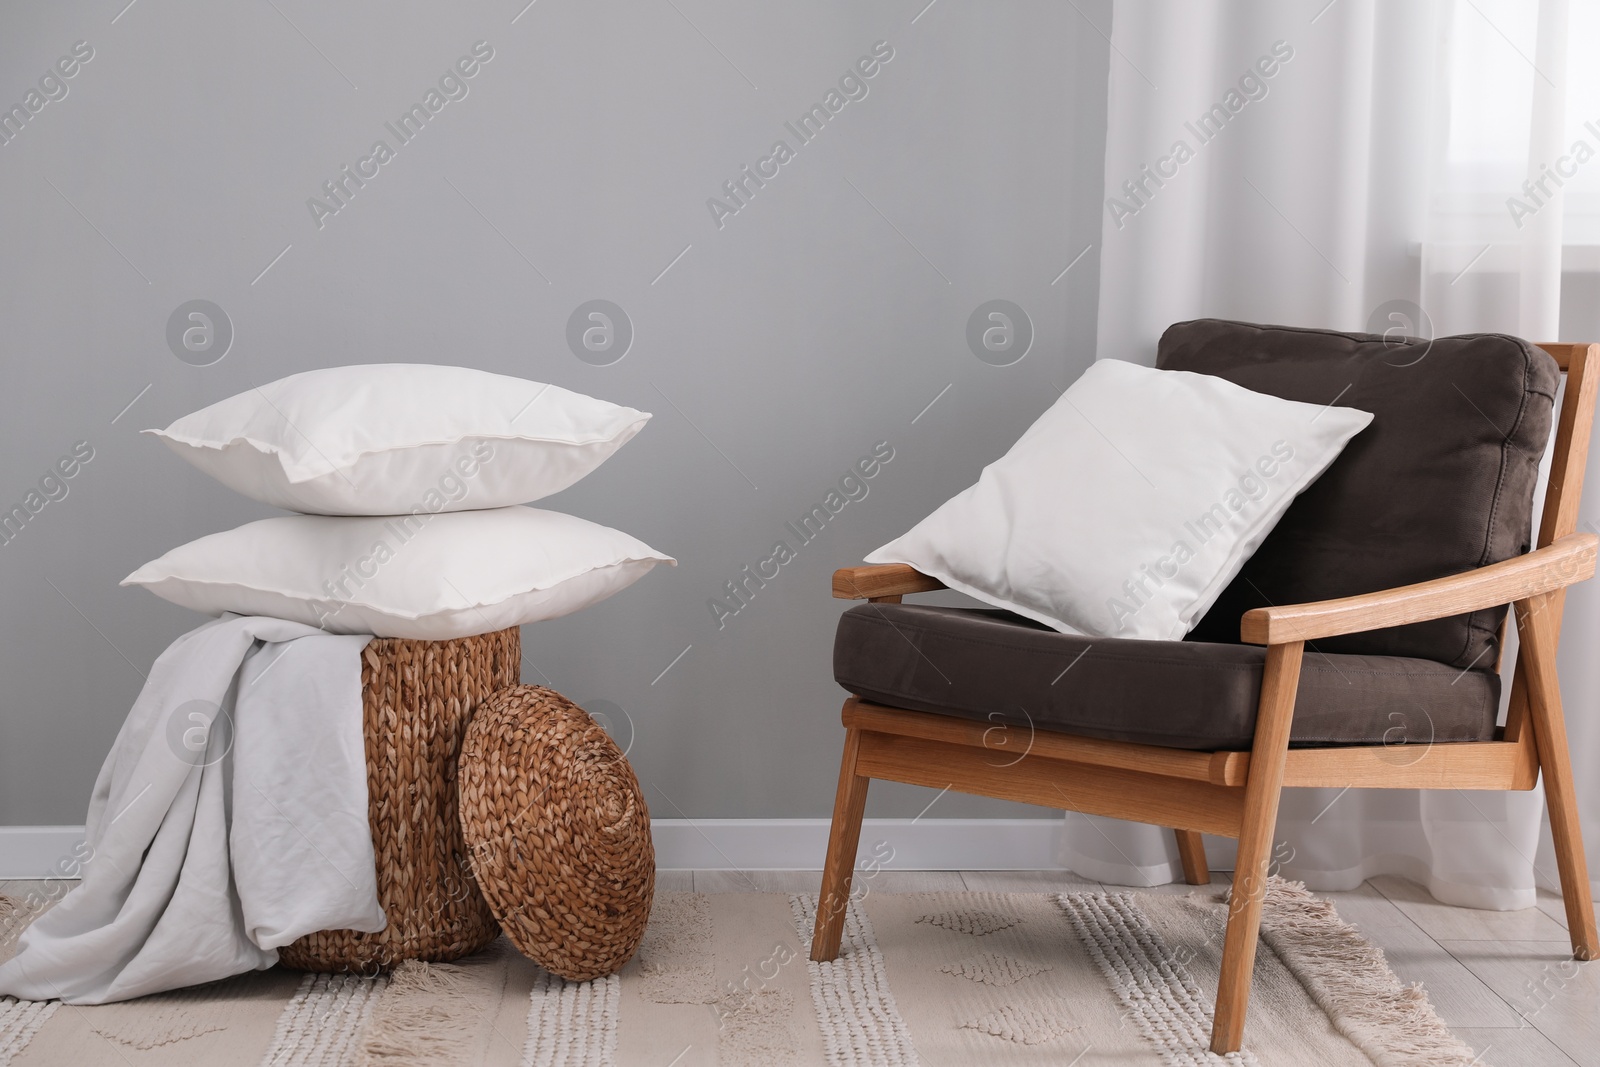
(417, 699)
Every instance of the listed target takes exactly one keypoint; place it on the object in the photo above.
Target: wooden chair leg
(1192, 851)
(1536, 628)
(1268, 755)
(849, 805)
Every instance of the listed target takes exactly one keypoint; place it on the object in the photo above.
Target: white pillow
(430, 577)
(1128, 507)
(396, 438)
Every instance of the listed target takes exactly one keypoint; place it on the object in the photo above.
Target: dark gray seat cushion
(991, 664)
(1441, 482)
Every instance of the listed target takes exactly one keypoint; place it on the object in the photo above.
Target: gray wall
(820, 319)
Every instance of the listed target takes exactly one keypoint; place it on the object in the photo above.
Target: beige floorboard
(811, 881)
(1443, 922)
(674, 881)
(755, 881)
(1509, 1047)
(901, 881)
(1027, 882)
(1551, 904)
(1546, 987)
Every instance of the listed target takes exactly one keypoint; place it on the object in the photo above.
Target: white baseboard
(33, 852)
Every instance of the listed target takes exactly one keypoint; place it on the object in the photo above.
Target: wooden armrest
(881, 579)
(1566, 562)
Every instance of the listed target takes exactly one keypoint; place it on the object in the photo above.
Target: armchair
(1203, 735)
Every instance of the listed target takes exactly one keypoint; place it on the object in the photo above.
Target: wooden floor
(1503, 981)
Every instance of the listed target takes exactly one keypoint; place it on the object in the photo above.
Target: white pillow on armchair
(1128, 507)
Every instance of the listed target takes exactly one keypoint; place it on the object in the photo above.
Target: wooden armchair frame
(1235, 793)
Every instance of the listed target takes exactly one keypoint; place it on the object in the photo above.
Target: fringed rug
(926, 978)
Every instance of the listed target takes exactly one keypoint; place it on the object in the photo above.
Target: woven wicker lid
(558, 832)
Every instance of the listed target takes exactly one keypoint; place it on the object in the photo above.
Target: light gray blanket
(229, 819)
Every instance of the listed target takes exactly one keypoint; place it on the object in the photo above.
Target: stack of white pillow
(409, 477)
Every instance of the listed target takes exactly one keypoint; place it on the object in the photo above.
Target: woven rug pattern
(924, 978)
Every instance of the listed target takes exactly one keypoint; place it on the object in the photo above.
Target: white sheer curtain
(1352, 165)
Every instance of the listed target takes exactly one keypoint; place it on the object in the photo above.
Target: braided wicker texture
(559, 832)
(417, 699)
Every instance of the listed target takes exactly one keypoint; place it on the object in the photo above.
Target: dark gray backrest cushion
(1441, 482)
